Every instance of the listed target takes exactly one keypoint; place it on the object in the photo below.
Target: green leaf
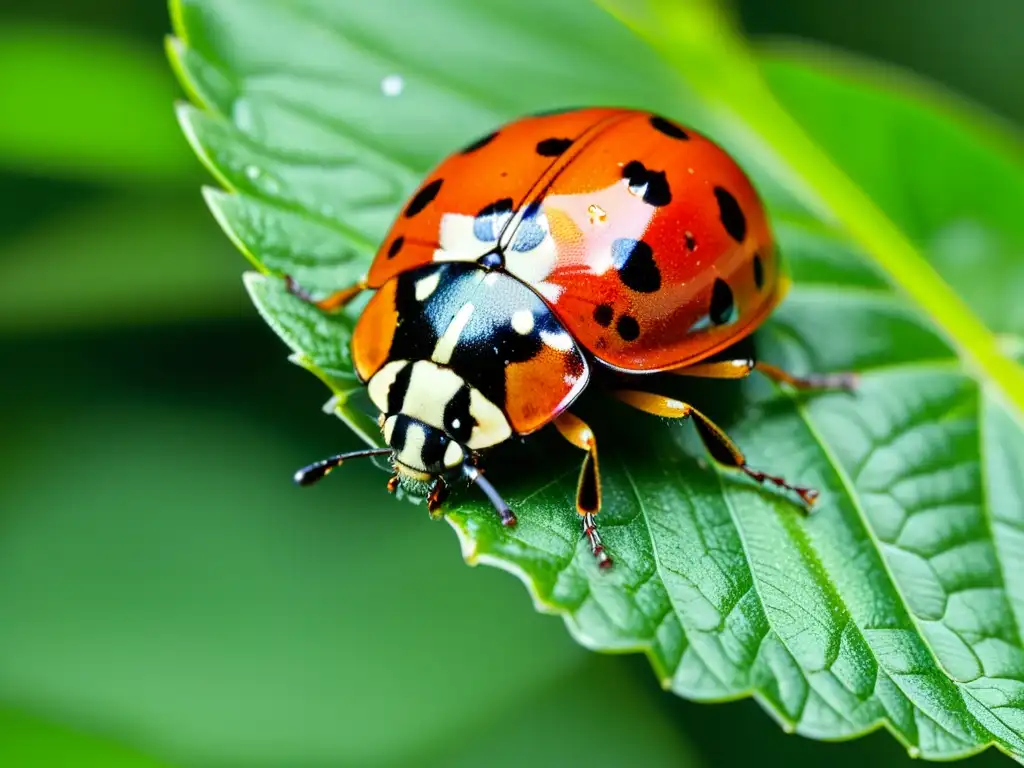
(109, 122)
(898, 604)
(33, 742)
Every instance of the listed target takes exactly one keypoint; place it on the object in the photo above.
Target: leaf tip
(332, 405)
(175, 48)
(186, 114)
(214, 197)
(253, 282)
(185, 111)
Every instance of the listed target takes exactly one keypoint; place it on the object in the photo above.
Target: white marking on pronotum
(450, 338)
(522, 322)
(491, 426)
(427, 285)
(430, 389)
(380, 384)
(389, 429)
(560, 341)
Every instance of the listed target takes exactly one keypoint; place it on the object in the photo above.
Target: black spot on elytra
(458, 422)
(481, 142)
(423, 198)
(732, 217)
(628, 328)
(553, 147)
(395, 247)
(758, 271)
(603, 314)
(668, 127)
(635, 263)
(722, 303)
(691, 243)
(653, 184)
(492, 219)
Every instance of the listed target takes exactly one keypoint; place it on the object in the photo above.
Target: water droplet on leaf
(392, 85)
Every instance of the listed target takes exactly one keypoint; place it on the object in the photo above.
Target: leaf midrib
(854, 498)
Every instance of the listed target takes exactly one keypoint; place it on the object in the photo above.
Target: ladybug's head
(434, 423)
(420, 451)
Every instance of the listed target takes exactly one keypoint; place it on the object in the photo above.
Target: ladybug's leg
(719, 444)
(333, 302)
(588, 490)
(738, 369)
(508, 519)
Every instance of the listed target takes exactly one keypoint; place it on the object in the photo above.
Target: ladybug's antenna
(320, 469)
(508, 519)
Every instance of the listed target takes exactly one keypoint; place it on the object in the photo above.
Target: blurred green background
(167, 597)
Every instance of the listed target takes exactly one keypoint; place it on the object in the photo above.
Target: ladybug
(558, 247)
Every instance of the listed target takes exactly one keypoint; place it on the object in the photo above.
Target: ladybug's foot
(740, 368)
(333, 302)
(843, 381)
(594, 538)
(436, 497)
(808, 495)
(297, 290)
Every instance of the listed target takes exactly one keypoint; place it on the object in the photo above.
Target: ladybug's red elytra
(554, 246)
